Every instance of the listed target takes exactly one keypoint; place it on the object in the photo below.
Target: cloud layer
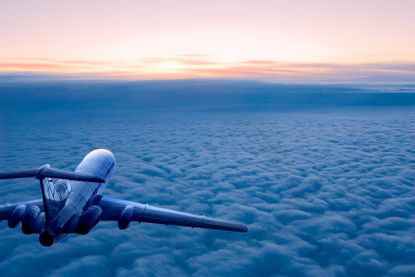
(326, 188)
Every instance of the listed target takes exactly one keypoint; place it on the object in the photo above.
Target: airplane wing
(7, 209)
(125, 211)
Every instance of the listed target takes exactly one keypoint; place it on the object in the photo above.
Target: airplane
(73, 203)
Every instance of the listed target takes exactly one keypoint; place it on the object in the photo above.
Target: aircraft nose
(99, 162)
(101, 152)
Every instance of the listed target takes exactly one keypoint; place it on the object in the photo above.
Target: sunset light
(184, 39)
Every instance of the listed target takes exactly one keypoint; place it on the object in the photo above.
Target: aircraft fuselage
(77, 212)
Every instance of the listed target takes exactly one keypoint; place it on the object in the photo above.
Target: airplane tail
(54, 194)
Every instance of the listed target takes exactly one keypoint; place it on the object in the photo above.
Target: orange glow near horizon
(263, 39)
(187, 68)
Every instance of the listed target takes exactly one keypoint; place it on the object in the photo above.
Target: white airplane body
(73, 202)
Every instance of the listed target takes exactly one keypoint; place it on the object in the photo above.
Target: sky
(315, 40)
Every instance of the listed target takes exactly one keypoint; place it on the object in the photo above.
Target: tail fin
(52, 201)
(46, 171)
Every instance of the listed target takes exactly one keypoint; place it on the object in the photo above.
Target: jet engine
(16, 216)
(33, 220)
(88, 220)
(125, 217)
(31, 217)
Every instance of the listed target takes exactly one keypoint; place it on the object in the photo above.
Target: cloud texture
(323, 176)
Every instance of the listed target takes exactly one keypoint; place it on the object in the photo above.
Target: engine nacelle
(16, 216)
(30, 222)
(125, 217)
(88, 220)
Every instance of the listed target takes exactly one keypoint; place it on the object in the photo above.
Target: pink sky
(331, 40)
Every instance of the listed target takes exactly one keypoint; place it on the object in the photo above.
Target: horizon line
(180, 68)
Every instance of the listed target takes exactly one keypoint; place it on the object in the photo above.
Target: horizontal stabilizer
(46, 171)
